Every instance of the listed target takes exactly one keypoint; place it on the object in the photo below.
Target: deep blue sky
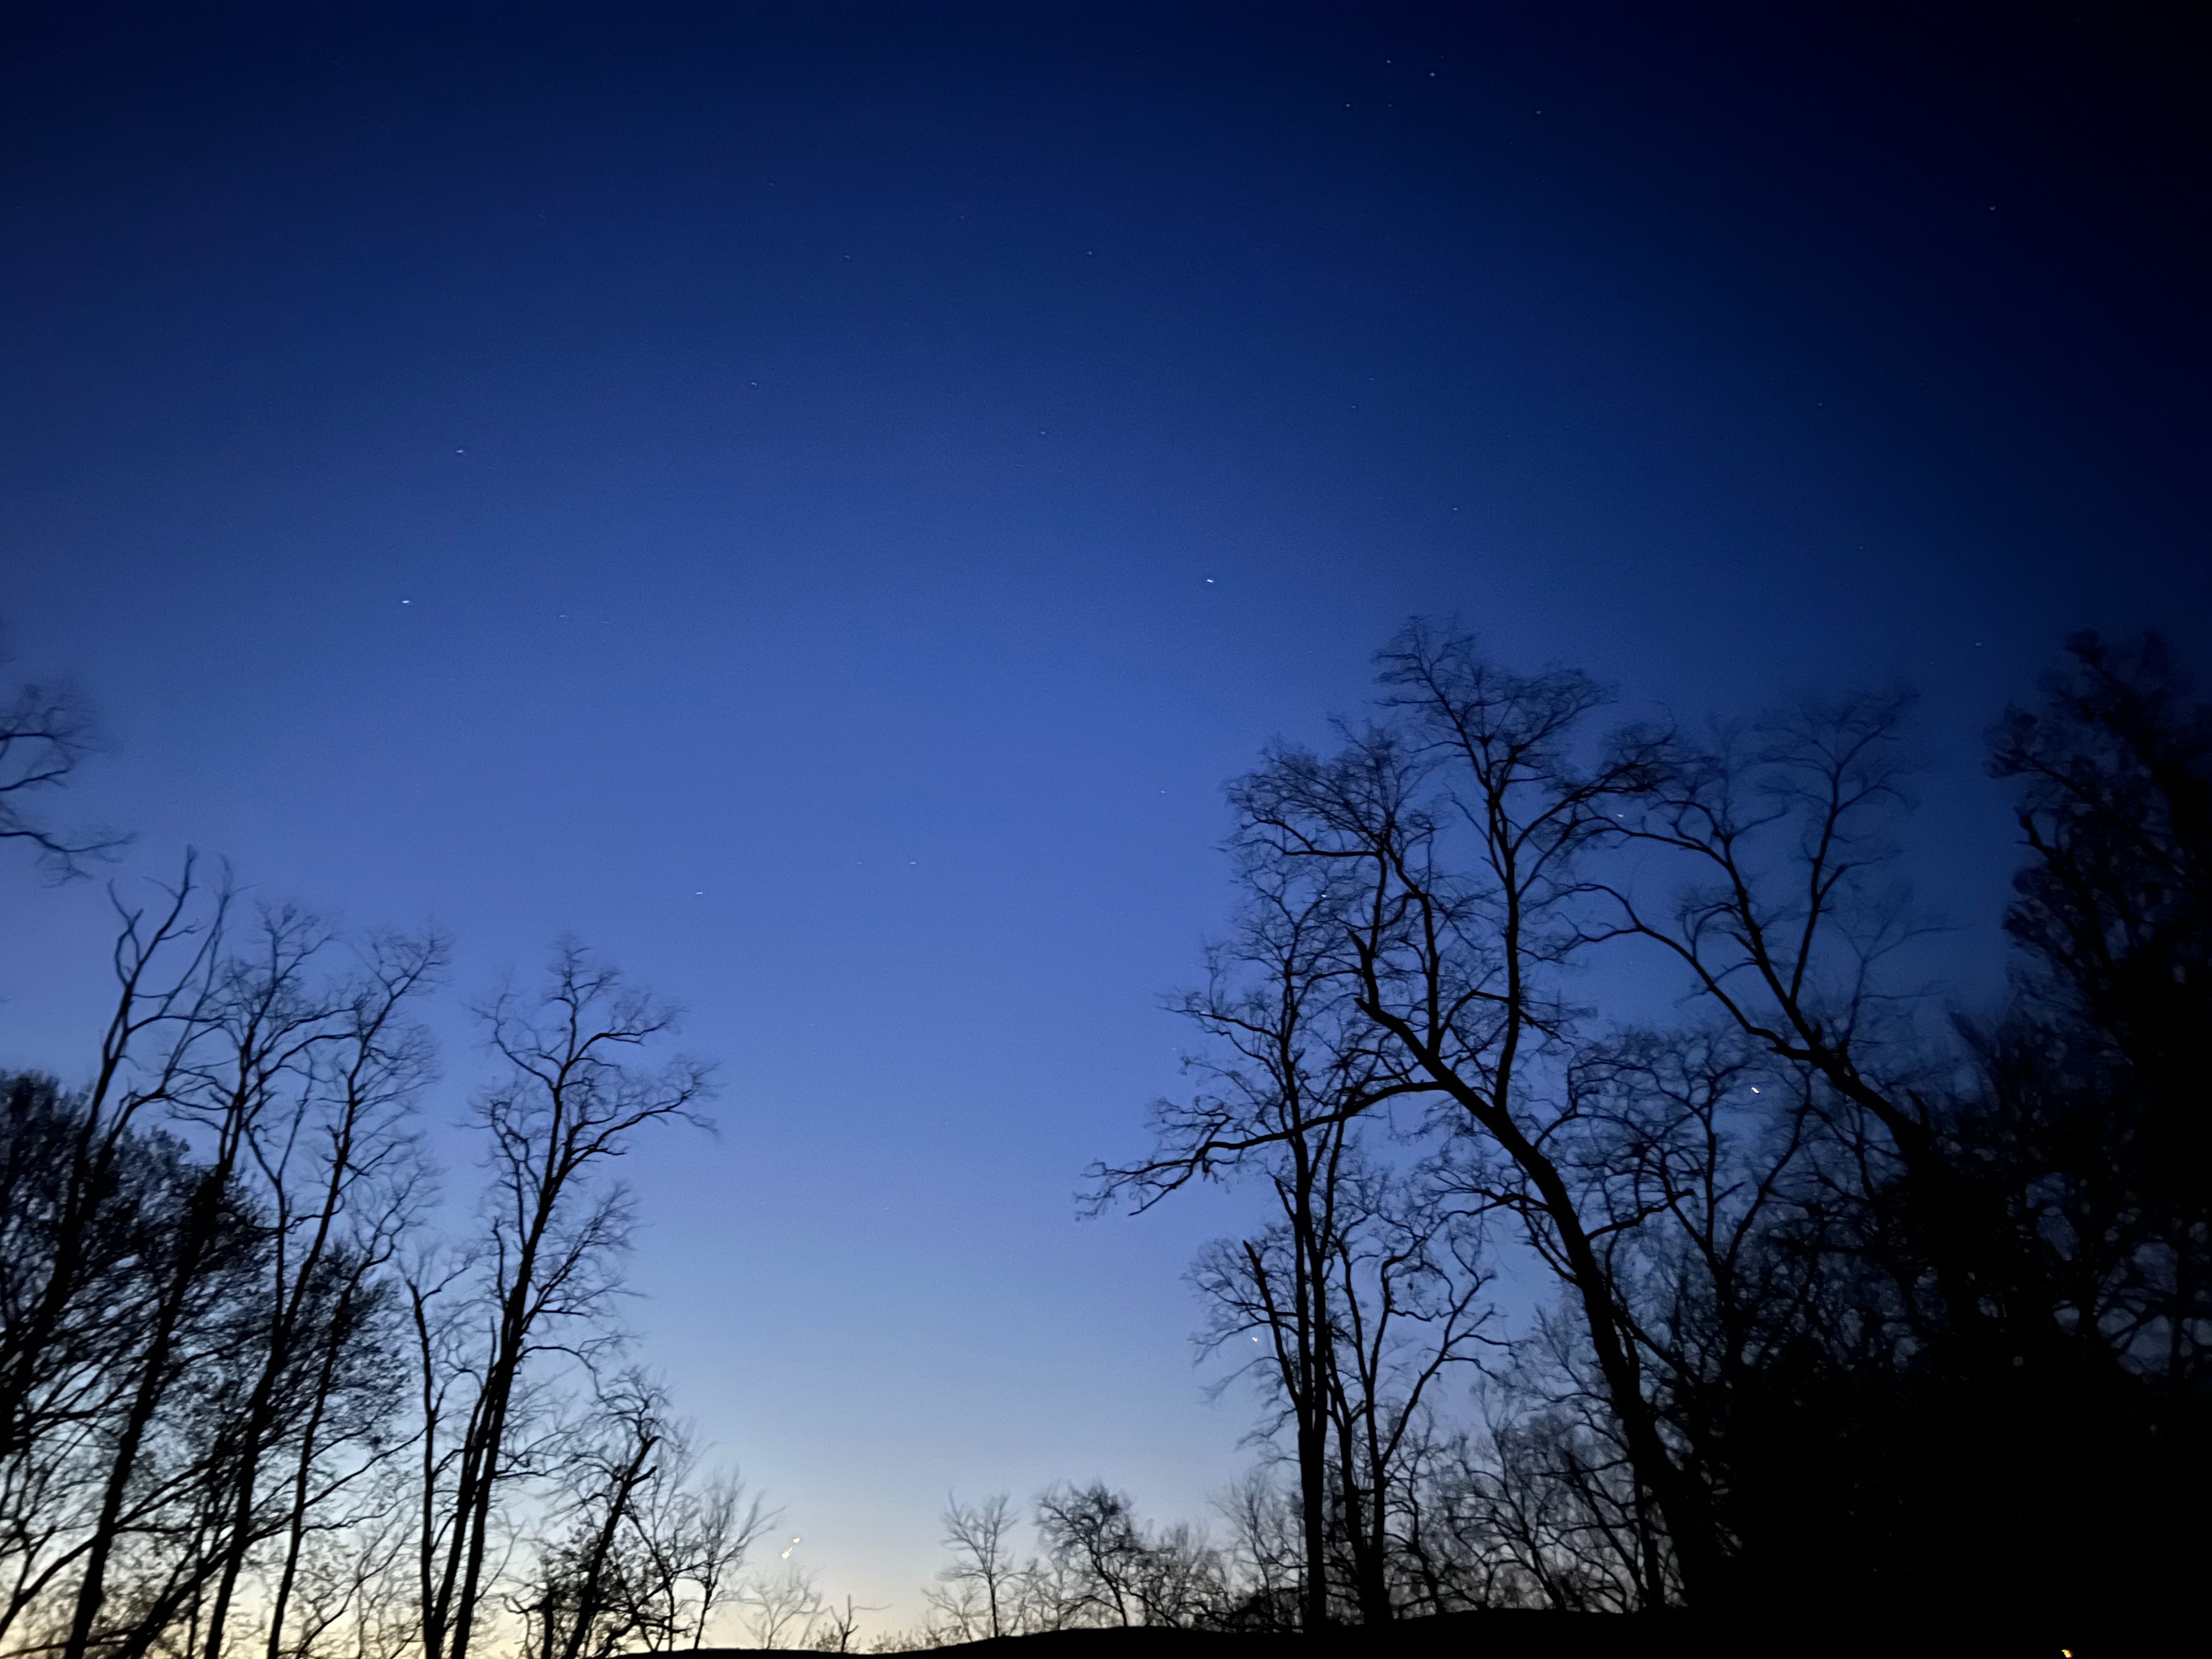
(816, 500)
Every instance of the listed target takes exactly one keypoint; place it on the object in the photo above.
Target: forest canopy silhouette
(1851, 1304)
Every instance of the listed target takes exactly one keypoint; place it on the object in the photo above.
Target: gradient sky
(817, 500)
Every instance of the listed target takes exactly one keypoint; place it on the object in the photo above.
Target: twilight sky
(816, 500)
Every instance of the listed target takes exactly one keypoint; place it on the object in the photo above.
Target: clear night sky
(817, 500)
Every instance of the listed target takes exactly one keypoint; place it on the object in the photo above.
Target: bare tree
(124, 1304)
(2090, 1102)
(545, 1268)
(589, 1588)
(1280, 1104)
(185, 1262)
(837, 1627)
(639, 1554)
(331, 1158)
(720, 1526)
(45, 734)
(1092, 1532)
(1103, 1566)
(1462, 826)
(1782, 918)
(197, 1408)
(77, 1377)
(254, 1369)
(1551, 1493)
(1266, 1557)
(1403, 1287)
(984, 1574)
(780, 1602)
(161, 959)
(1410, 1307)
(145, 1383)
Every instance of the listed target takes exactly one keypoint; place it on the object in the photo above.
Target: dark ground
(1822, 1633)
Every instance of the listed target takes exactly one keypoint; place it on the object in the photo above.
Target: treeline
(245, 1408)
(1860, 1303)
(1857, 1303)
(263, 1388)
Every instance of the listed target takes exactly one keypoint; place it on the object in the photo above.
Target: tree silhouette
(1856, 1295)
(45, 734)
(544, 1269)
(981, 1537)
